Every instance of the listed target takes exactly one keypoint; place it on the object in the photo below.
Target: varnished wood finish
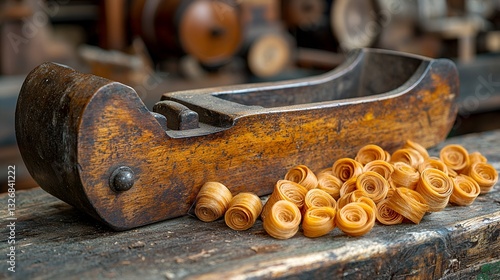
(75, 130)
(55, 241)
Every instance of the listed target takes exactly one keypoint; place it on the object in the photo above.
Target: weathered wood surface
(55, 241)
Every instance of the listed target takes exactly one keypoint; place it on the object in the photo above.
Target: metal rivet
(122, 179)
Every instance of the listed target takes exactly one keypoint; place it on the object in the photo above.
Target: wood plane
(92, 142)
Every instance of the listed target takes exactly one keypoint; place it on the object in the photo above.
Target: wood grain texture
(75, 130)
(56, 241)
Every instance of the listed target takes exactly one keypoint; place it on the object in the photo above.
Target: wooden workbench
(53, 240)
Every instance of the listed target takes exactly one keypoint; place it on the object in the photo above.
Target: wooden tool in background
(92, 143)
(208, 30)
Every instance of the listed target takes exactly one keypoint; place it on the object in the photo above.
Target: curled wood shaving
(354, 193)
(243, 211)
(212, 201)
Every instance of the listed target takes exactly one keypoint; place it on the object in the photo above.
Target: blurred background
(159, 46)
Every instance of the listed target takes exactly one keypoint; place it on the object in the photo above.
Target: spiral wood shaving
(433, 163)
(473, 158)
(408, 156)
(356, 196)
(370, 153)
(477, 157)
(382, 167)
(346, 168)
(436, 188)
(352, 196)
(356, 218)
(465, 190)
(283, 220)
(452, 173)
(243, 211)
(485, 175)
(212, 201)
(348, 198)
(348, 186)
(373, 185)
(404, 175)
(392, 188)
(417, 147)
(318, 221)
(325, 171)
(368, 201)
(330, 184)
(303, 176)
(455, 157)
(285, 190)
(318, 198)
(387, 216)
(409, 203)
(387, 156)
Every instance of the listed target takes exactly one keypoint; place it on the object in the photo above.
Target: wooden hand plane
(93, 143)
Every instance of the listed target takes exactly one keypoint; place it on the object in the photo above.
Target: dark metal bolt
(122, 179)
